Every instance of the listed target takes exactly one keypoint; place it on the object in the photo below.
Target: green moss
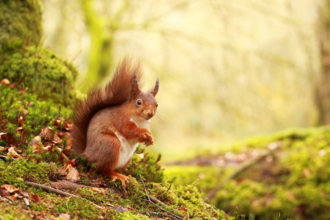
(131, 216)
(15, 172)
(20, 22)
(295, 184)
(148, 165)
(37, 115)
(12, 213)
(78, 207)
(42, 72)
(204, 178)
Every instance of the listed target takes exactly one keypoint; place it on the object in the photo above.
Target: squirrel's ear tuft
(155, 90)
(135, 91)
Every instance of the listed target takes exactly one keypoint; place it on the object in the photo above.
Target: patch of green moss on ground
(204, 178)
(12, 212)
(15, 172)
(36, 114)
(20, 22)
(295, 183)
(42, 72)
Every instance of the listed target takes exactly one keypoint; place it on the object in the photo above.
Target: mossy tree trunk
(20, 22)
(102, 33)
(322, 89)
(100, 54)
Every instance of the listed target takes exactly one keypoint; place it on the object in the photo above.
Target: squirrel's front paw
(146, 137)
(149, 141)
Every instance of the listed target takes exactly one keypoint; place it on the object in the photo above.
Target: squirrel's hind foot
(117, 176)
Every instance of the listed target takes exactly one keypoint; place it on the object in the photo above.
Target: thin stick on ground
(50, 189)
(149, 200)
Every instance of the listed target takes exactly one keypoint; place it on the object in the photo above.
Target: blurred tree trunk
(20, 22)
(322, 89)
(100, 53)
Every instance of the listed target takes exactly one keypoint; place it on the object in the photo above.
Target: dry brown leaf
(36, 142)
(5, 82)
(29, 104)
(13, 197)
(68, 126)
(56, 139)
(99, 190)
(9, 188)
(23, 193)
(73, 174)
(20, 120)
(46, 133)
(67, 165)
(119, 208)
(25, 112)
(65, 216)
(130, 208)
(13, 153)
(35, 197)
(4, 193)
(186, 216)
(57, 122)
(8, 137)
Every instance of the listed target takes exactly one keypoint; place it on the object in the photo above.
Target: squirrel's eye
(139, 102)
(156, 105)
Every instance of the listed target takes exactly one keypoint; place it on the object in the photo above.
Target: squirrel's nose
(150, 115)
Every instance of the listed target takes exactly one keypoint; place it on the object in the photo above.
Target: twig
(154, 199)
(145, 190)
(50, 189)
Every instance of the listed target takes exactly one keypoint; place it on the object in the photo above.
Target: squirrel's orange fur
(110, 123)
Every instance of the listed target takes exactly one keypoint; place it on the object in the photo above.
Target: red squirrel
(110, 123)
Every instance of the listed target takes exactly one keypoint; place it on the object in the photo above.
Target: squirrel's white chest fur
(127, 147)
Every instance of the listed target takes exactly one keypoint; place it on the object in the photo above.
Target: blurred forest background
(228, 69)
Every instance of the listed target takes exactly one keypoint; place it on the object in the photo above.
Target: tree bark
(322, 88)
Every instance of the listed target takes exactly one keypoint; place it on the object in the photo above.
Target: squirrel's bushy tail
(114, 93)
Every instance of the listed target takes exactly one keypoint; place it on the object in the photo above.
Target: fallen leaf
(4, 193)
(57, 122)
(46, 133)
(129, 207)
(8, 137)
(13, 197)
(65, 216)
(36, 143)
(99, 190)
(23, 192)
(20, 120)
(35, 197)
(9, 188)
(13, 153)
(68, 126)
(56, 139)
(186, 216)
(25, 112)
(61, 119)
(29, 104)
(119, 208)
(73, 174)
(5, 82)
